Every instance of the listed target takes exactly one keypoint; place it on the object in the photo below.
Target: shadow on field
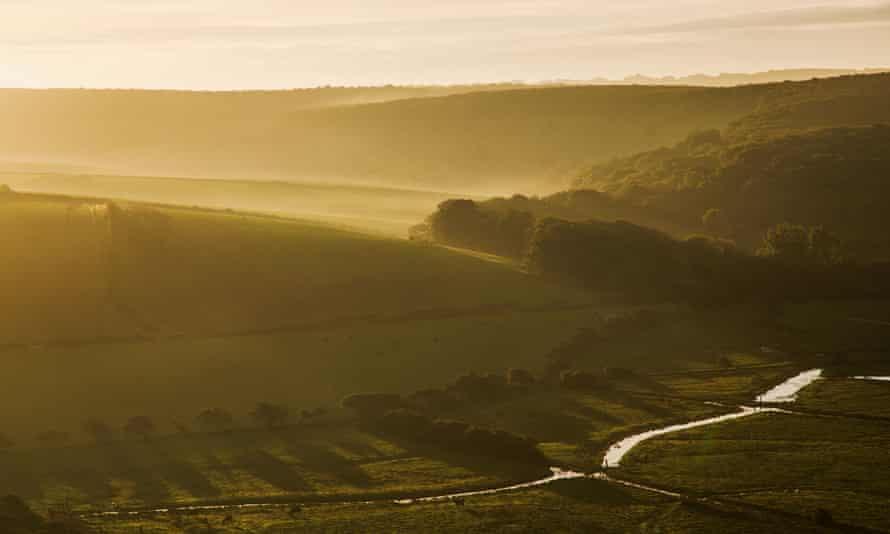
(273, 470)
(591, 491)
(321, 459)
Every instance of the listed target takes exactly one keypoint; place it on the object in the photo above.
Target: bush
(373, 404)
(270, 415)
(214, 420)
(519, 377)
(480, 387)
(435, 400)
(581, 380)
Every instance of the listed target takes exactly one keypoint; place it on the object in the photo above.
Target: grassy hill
(168, 311)
(379, 209)
(830, 176)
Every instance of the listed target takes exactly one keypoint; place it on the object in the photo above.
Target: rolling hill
(518, 139)
(168, 311)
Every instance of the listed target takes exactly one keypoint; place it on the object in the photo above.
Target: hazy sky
(220, 44)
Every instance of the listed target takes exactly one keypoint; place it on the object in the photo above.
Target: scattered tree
(53, 437)
(373, 404)
(140, 425)
(97, 430)
(270, 415)
(214, 420)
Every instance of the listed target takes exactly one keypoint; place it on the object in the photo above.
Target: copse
(141, 425)
(270, 416)
(796, 244)
(214, 420)
(466, 223)
(460, 437)
(373, 404)
(98, 431)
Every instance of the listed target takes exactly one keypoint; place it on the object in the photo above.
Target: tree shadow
(322, 459)
(273, 470)
(590, 491)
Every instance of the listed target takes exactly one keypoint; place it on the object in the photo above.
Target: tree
(789, 243)
(140, 425)
(519, 377)
(98, 431)
(716, 222)
(372, 404)
(826, 247)
(823, 517)
(214, 420)
(53, 437)
(270, 415)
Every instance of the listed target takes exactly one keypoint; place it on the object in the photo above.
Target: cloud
(835, 15)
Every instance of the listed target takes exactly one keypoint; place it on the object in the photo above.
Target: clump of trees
(371, 404)
(98, 431)
(582, 380)
(141, 425)
(465, 223)
(459, 436)
(801, 245)
(214, 420)
(270, 416)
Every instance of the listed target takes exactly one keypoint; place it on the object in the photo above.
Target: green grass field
(222, 309)
(788, 463)
(383, 210)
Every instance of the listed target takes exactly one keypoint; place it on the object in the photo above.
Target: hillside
(384, 210)
(169, 311)
(521, 139)
(833, 176)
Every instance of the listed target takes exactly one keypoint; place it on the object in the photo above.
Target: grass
(787, 463)
(226, 310)
(571, 506)
(858, 397)
(313, 463)
(385, 210)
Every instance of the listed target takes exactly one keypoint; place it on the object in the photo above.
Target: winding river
(784, 393)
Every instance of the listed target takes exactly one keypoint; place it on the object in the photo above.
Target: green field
(384, 210)
(788, 463)
(579, 506)
(200, 308)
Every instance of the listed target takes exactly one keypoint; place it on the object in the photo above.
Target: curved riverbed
(783, 393)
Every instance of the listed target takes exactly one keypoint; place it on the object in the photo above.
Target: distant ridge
(729, 79)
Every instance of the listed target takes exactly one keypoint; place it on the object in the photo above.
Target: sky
(269, 44)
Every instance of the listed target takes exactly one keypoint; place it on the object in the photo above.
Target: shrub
(373, 404)
(581, 380)
(519, 377)
(270, 415)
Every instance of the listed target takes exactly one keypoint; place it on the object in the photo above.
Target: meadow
(794, 464)
(184, 309)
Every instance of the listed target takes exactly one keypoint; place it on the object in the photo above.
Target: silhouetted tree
(519, 377)
(214, 420)
(373, 404)
(716, 221)
(53, 437)
(270, 415)
(826, 247)
(140, 425)
(98, 431)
